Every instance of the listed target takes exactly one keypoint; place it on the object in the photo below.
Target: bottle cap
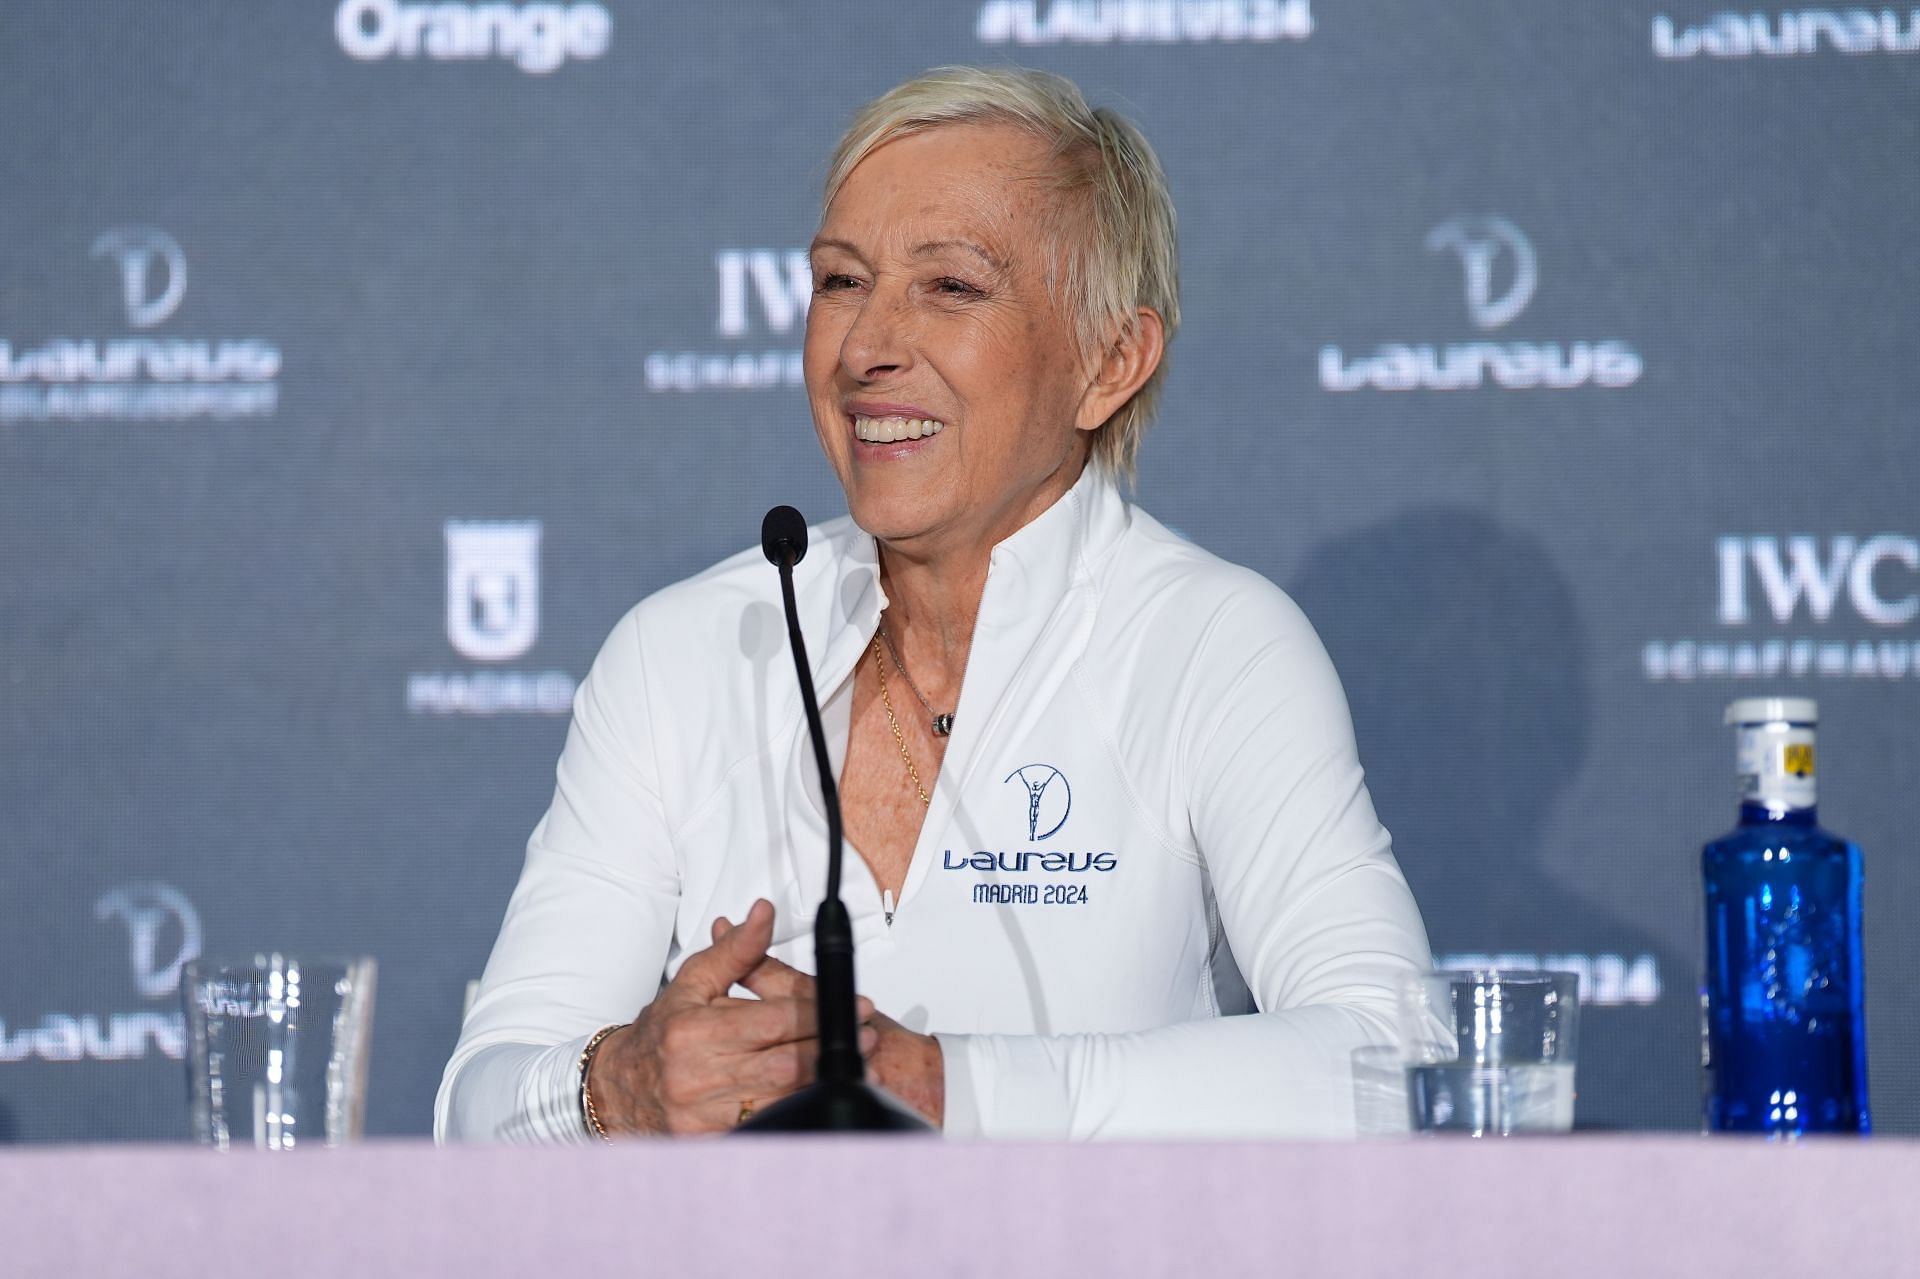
(1770, 710)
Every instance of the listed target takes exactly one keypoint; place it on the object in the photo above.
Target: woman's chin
(899, 513)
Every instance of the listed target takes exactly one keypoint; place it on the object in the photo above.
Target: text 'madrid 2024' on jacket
(1151, 815)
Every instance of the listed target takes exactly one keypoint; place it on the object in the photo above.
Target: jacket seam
(1160, 835)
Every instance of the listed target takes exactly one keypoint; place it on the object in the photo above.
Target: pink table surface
(1614, 1206)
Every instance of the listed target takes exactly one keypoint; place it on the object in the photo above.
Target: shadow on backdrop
(1464, 660)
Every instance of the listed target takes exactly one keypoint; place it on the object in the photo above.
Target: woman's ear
(1130, 358)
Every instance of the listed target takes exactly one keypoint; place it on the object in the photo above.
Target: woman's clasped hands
(698, 1060)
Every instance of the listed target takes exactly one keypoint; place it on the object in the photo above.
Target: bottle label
(1775, 765)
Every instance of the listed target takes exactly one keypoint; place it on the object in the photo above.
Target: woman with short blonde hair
(1102, 785)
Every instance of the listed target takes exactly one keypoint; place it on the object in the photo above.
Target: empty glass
(277, 1055)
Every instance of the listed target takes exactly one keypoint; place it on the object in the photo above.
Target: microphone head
(783, 535)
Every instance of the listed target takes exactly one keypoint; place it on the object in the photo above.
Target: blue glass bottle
(1786, 1037)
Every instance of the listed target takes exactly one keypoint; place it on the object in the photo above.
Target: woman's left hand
(908, 1065)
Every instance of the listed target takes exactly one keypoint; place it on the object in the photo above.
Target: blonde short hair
(1121, 250)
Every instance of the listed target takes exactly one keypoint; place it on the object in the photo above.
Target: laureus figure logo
(135, 249)
(1480, 243)
(1042, 780)
(147, 909)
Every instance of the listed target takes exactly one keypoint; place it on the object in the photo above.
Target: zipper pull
(886, 905)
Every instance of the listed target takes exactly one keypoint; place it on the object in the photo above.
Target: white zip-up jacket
(1151, 759)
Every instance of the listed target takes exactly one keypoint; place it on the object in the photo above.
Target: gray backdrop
(1560, 359)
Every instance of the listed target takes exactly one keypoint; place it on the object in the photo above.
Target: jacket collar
(1030, 572)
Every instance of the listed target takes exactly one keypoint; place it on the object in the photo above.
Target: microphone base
(837, 1106)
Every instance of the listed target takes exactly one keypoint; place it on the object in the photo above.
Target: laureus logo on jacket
(1047, 794)
(1046, 801)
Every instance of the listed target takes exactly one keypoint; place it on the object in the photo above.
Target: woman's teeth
(889, 430)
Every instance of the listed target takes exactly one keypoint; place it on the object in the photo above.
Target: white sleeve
(1314, 906)
(588, 929)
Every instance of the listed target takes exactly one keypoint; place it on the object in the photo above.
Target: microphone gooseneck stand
(840, 1099)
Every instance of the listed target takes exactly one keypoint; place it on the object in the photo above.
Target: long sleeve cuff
(1004, 1086)
(531, 1093)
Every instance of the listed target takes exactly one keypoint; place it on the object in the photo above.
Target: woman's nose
(879, 342)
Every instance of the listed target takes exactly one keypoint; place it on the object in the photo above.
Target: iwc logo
(762, 300)
(1049, 799)
(1799, 606)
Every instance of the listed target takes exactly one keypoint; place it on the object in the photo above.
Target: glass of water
(277, 1050)
(1489, 1052)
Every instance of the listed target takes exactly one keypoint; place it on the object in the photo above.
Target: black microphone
(783, 539)
(839, 1099)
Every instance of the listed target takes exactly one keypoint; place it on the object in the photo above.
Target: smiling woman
(1079, 757)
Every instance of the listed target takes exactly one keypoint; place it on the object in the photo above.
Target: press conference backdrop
(362, 362)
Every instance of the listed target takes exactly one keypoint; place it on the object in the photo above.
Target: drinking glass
(1490, 1052)
(277, 1054)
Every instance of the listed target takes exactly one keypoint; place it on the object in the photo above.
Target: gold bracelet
(586, 1094)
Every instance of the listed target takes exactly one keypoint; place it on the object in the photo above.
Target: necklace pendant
(942, 725)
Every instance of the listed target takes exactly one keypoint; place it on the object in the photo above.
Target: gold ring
(746, 1112)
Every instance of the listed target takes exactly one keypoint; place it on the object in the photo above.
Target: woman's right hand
(696, 1058)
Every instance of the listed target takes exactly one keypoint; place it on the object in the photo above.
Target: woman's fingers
(772, 1073)
(708, 1097)
(772, 979)
(737, 951)
(747, 1025)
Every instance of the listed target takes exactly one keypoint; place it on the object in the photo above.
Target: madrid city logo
(493, 588)
(1785, 607)
(1499, 273)
(760, 307)
(492, 615)
(163, 937)
(1049, 799)
(145, 377)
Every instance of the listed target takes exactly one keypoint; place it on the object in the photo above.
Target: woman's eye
(955, 288)
(828, 283)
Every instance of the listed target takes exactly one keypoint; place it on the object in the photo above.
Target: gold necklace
(879, 668)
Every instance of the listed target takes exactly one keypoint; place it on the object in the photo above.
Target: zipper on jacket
(886, 905)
